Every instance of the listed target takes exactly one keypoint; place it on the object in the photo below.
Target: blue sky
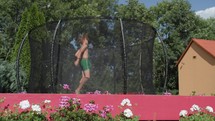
(201, 4)
(203, 8)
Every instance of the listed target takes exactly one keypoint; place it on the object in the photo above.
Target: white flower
(128, 113)
(183, 113)
(195, 108)
(209, 109)
(129, 104)
(47, 101)
(36, 108)
(126, 102)
(24, 104)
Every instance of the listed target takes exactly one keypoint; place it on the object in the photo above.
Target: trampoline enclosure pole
(17, 63)
(124, 58)
(52, 58)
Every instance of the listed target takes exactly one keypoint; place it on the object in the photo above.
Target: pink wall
(147, 107)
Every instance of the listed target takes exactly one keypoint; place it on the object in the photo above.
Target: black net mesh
(121, 60)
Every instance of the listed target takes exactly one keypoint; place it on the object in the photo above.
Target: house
(196, 68)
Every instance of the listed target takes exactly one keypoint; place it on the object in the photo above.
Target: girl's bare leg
(85, 77)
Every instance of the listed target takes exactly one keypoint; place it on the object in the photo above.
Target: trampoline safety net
(120, 52)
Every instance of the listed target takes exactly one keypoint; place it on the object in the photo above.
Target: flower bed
(197, 113)
(69, 109)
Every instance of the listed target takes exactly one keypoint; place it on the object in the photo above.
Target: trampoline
(120, 50)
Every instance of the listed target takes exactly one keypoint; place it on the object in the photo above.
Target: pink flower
(90, 107)
(167, 93)
(97, 92)
(76, 101)
(64, 101)
(106, 92)
(108, 108)
(23, 92)
(89, 93)
(66, 87)
(103, 114)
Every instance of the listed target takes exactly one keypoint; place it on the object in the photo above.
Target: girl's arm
(82, 49)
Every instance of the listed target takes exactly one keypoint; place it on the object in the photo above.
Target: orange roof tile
(207, 45)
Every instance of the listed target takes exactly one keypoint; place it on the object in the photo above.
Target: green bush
(8, 79)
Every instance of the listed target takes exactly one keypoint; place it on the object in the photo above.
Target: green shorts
(85, 64)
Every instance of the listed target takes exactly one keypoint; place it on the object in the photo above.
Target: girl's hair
(83, 35)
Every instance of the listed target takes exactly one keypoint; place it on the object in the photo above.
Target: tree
(10, 17)
(134, 10)
(175, 22)
(31, 18)
(205, 29)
